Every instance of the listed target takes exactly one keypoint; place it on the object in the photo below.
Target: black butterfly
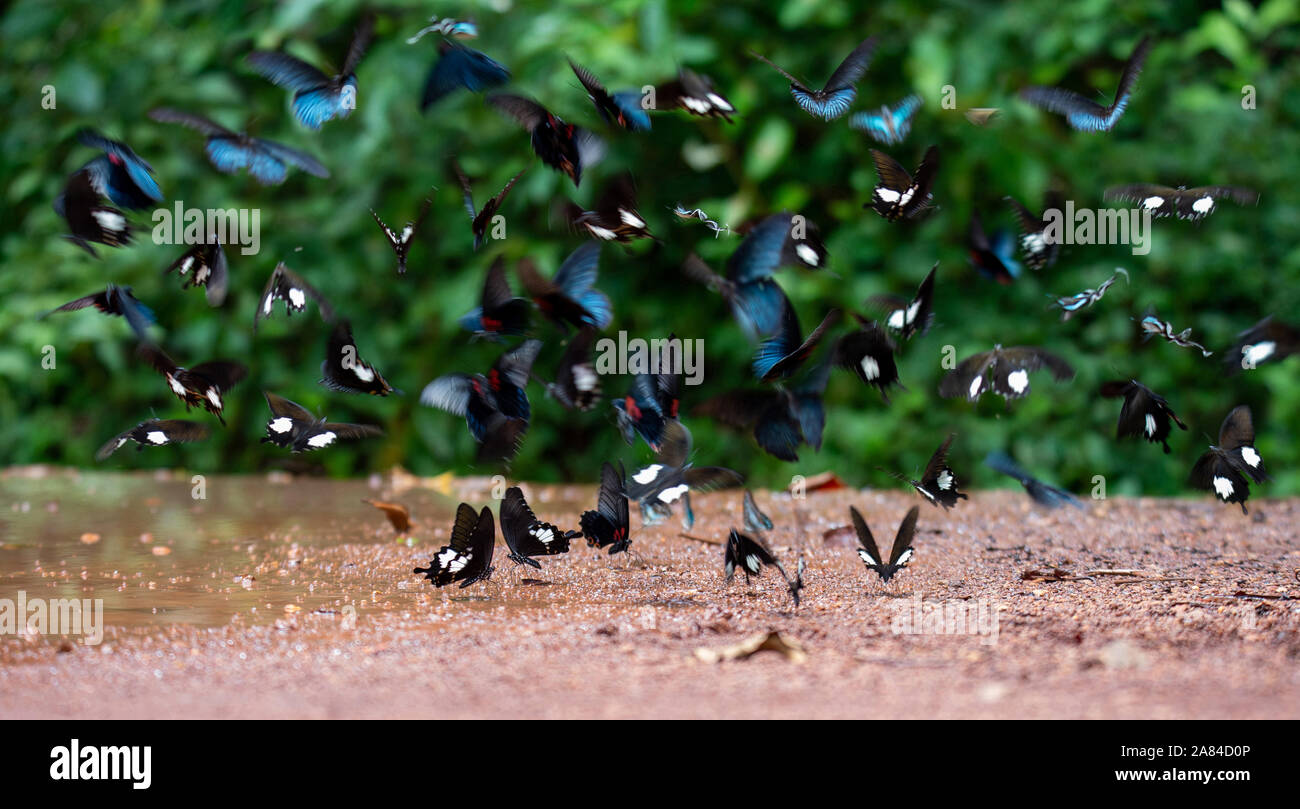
(749, 554)
(654, 399)
(993, 259)
(609, 524)
(499, 312)
(479, 221)
(564, 147)
(119, 174)
(460, 67)
(938, 484)
(672, 478)
(899, 556)
(909, 318)
(317, 98)
(615, 217)
(1144, 413)
(286, 285)
(229, 151)
(569, 297)
(869, 352)
(576, 385)
(200, 386)
(1083, 113)
(527, 536)
(1223, 468)
(155, 433)
(401, 242)
(621, 109)
(786, 350)
(89, 220)
(1268, 340)
(781, 418)
(494, 406)
(204, 265)
(293, 428)
(1183, 202)
(756, 522)
(344, 371)
(1073, 303)
(898, 195)
(114, 300)
(1039, 492)
(837, 96)
(1009, 369)
(1040, 250)
(694, 93)
(467, 558)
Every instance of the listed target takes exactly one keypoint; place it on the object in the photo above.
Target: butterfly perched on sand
(577, 385)
(229, 151)
(749, 554)
(1038, 491)
(527, 536)
(1039, 248)
(568, 149)
(868, 351)
(155, 433)
(459, 67)
(400, 241)
(1071, 304)
(1144, 413)
(780, 418)
(909, 318)
(1183, 202)
(89, 220)
(609, 525)
(467, 557)
(499, 312)
(938, 484)
(1223, 469)
(494, 405)
(900, 555)
(992, 258)
(317, 98)
(114, 300)
(622, 109)
(888, 125)
(898, 195)
(1268, 340)
(200, 386)
(672, 477)
(204, 265)
(479, 221)
(615, 217)
(294, 428)
(694, 93)
(835, 98)
(569, 298)
(1083, 113)
(344, 371)
(1152, 325)
(119, 174)
(286, 285)
(1007, 371)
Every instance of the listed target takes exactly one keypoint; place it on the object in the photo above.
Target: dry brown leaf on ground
(791, 649)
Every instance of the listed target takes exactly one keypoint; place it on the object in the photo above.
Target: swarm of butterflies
(783, 411)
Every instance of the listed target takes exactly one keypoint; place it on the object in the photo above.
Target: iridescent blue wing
(783, 342)
(293, 157)
(286, 71)
(315, 107)
(759, 255)
(825, 105)
(229, 154)
(459, 67)
(629, 103)
(575, 279)
(123, 157)
(758, 307)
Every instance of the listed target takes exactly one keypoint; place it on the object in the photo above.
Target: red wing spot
(490, 324)
(673, 408)
(115, 160)
(494, 379)
(632, 409)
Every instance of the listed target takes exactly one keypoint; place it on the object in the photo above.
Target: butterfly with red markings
(494, 406)
(401, 242)
(623, 109)
(527, 536)
(499, 312)
(570, 298)
(899, 556)
(467, 557)
(200, 386)
(294, 428)
(609, 525)
(564, 147)
(671, 479)
(1223, 469)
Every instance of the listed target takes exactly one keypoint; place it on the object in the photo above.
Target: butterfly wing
(755, 520)
(460, 67)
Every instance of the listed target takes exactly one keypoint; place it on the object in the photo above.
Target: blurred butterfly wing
(198, 123)
(294, 157)
(286, 71)
(755, 519)
(851, 69)
(460, 67)
(759, 255)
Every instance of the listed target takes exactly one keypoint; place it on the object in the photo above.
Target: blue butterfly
(1084, 114)
(994, 259)
(119, 174)
(888, 124)
(785, 351)
(317, 98)
(230, 151)
(569, 297)
(837, 96)
(621, 109)
(457, 67)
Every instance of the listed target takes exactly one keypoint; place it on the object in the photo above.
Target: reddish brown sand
(249, 611)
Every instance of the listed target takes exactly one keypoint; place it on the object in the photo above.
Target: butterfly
(569, 297)
(749, 554)
(204, 265)
(1073, 303)
(909, 318)
(697, 213)
(401, 242)
(757, 306)
(1268, 340)
(564, 147)
(980, 116)
(899, 556)
(119, 174)
(672, 478)
(286, 285)
(1183, 202)
(649, 407)
(621, 109)
(399, 516)
(869, 352)
(527, 536)
(448, 27)
(609, 524)
(114, 300)
(1144, 412)
(756, 522)
(897, 195)
(317, 98)
(293, 428)
(460, 67)
(1084, 114)
(888, 125)
(1039, 492)
(1008, 369)
(467, 558)
(993, 259)
(615, 217)
(1152, 325)
(344, 371)
(200, 386)
(1040, 249)
(576, 385)
(89, 221)
(694, 93)
(499, 312)
(800, 245)
(229, 151)
(834, 99)
(938, 484)
(494, 406)
(1223, 469)
(786, 350)
(155, 433)
(479, 221)
(781, 418)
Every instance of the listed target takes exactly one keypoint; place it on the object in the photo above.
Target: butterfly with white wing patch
(898, 195)
(938, 484)
(1223, 469)
(155, 433)
(672, 478)
(899, 556)
(401, 242)
(204, 265)
(200, 386)
(1007, 368)
(344, 371)
(1183, 202)
(909, 318)
(467, 558)
(749, 555)
(286, 285)
(527, 536)
(1144, 413)
(293, 428)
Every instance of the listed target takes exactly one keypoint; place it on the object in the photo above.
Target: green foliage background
(111, 62)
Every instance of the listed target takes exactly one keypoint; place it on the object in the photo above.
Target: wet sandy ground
(286, 599)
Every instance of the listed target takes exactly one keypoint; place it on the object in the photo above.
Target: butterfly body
(609, 525)
(317, 98)
(467, 557)
(835, 98)
(1228, 467)
(230, 152)
(294, 428)
(1084, 114)
(1005, 371)
(898, 195)
(527, 536)
(1144, 413)
(900, 555)
(200, 386)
